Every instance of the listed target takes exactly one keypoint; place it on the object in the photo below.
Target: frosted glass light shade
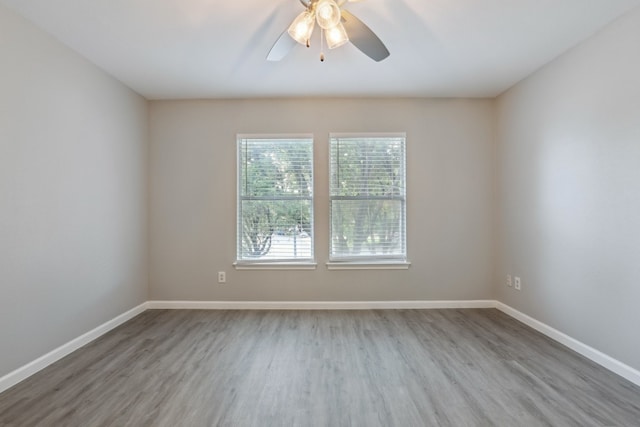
(302, 27)
(327, 14)
(336, 36)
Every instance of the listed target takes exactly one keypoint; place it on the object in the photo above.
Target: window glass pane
(276, 168)
(275, 199)
(367, 228)
(367, 167)
(279, 229)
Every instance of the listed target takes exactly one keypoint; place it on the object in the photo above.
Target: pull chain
(321, 44)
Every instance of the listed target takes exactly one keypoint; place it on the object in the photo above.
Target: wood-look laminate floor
(322, 368)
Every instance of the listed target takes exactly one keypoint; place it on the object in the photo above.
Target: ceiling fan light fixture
(336, 36)
(327, 14)
(302, 27)
(337, 23)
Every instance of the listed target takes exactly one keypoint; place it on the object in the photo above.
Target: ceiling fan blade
(305, 3)
(281, 47)
(363, 38)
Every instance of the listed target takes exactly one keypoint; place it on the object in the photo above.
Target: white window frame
(377, 262)
(278, 264)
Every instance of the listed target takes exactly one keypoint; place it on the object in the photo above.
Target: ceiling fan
(338, 27)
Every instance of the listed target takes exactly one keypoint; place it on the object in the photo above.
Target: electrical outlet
(509, 283)
(222, 277)
(518, 283)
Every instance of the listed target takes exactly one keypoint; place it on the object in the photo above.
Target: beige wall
(449, 208)
(569, 192)
(73, 212)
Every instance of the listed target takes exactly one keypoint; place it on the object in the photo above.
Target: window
(368, 198)
(275, 199)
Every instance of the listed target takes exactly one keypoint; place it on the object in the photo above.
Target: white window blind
(367, 198)
(275, 199)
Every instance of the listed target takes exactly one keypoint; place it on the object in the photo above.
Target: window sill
(241, 265)
(371, 265)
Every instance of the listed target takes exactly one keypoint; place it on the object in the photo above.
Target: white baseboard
(591, 353)
(22, 373)
(317, 305)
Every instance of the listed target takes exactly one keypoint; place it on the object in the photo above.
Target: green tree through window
(368, 197)
(275, 199)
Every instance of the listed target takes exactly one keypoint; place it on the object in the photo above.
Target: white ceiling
(168, 49)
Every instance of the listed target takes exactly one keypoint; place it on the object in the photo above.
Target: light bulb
(302, 27)
(327, 14)
(336, 36)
